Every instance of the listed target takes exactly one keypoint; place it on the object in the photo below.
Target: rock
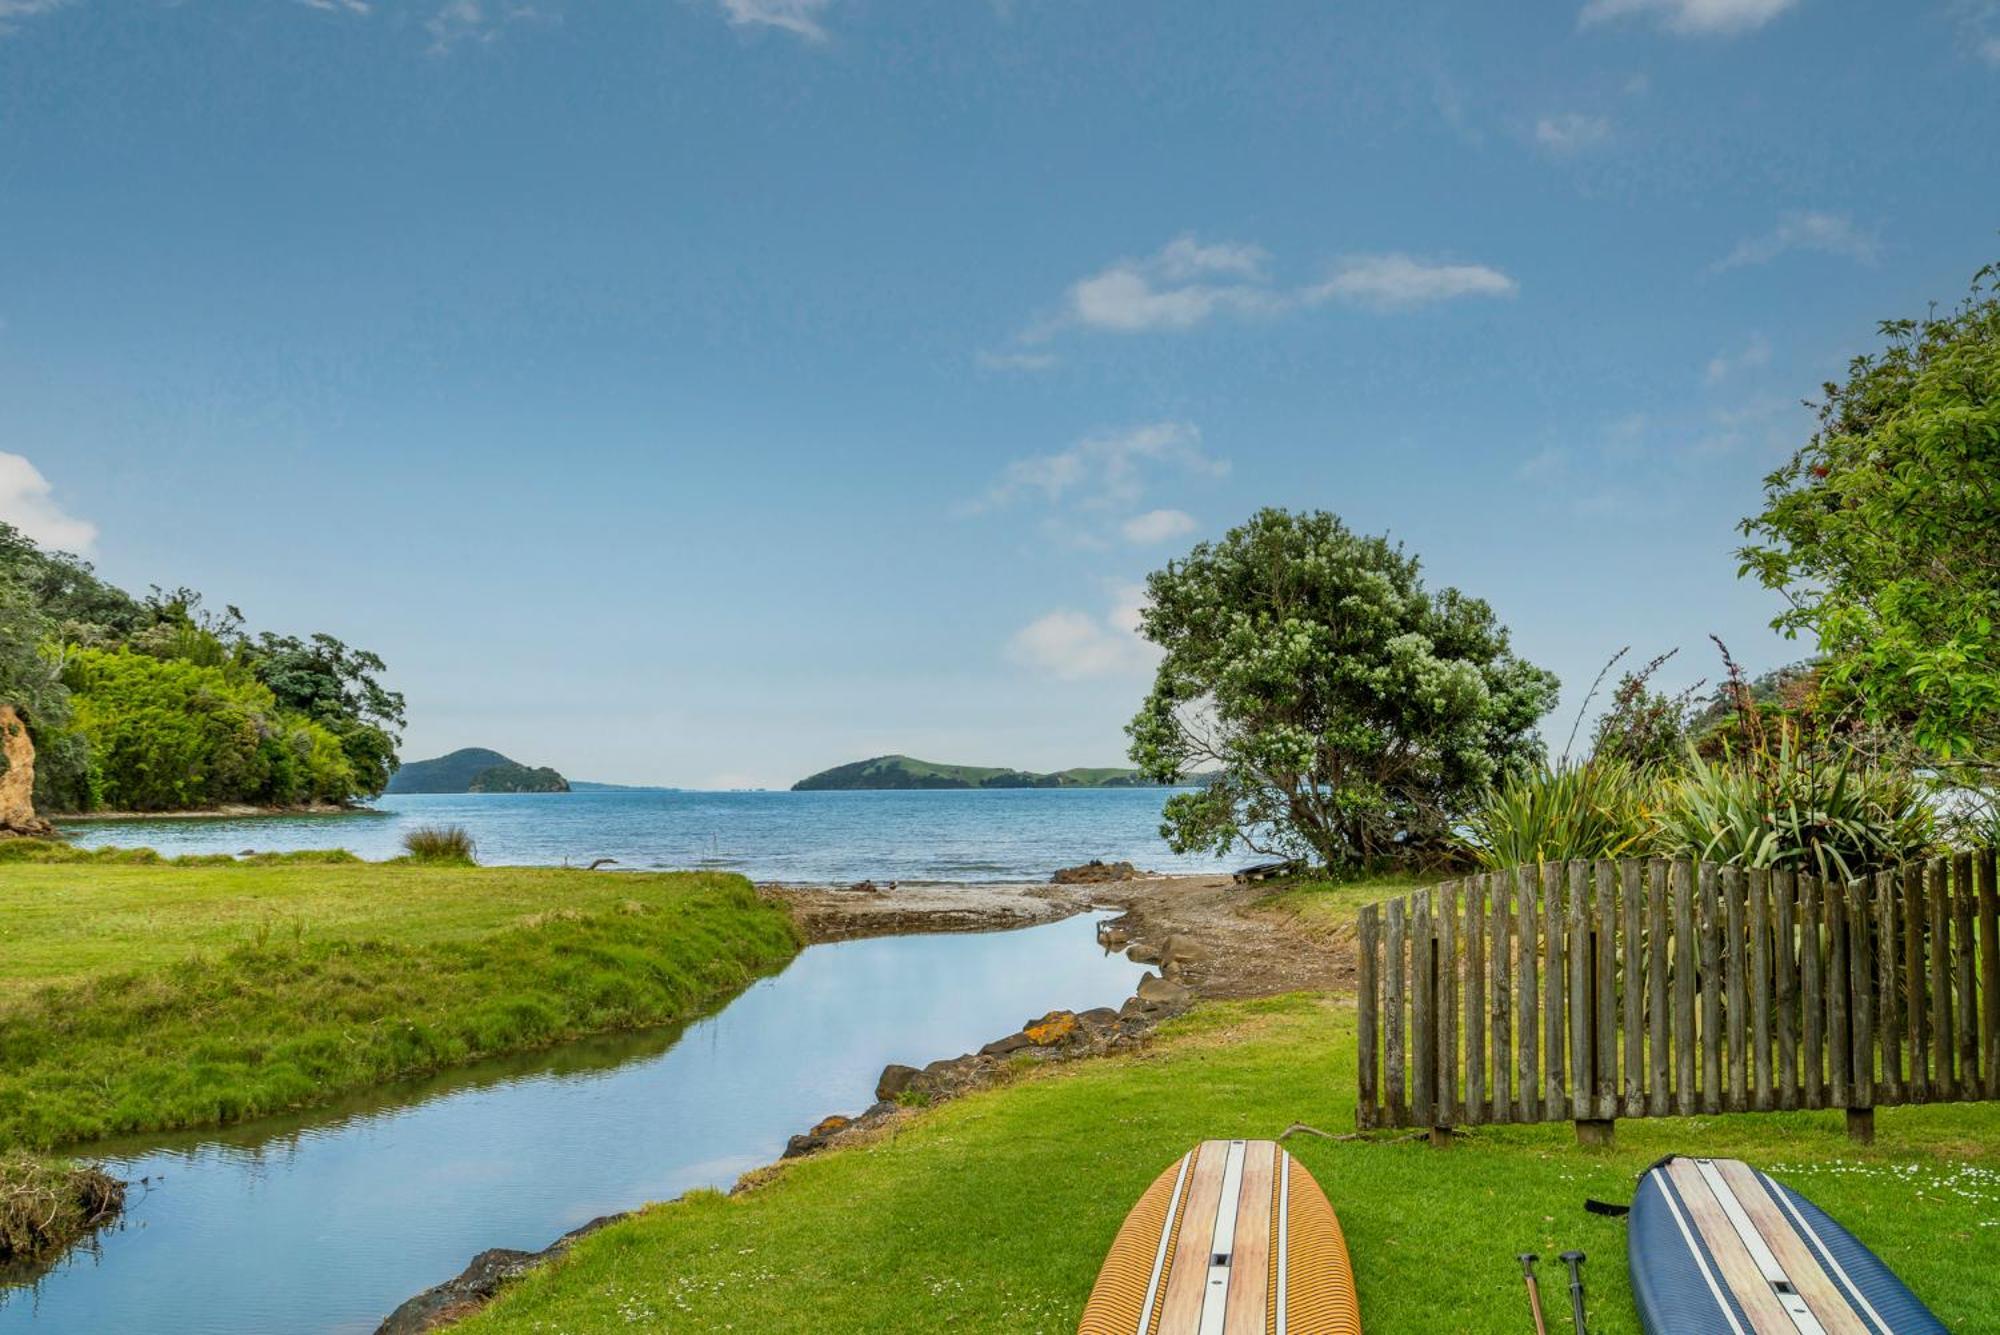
(1051, 1029)
(865, 888)
(475, 1286)
(1095, 872)
(1100, 1017)
(823, 1132)
(1182, 949)
(895, 1079)
(17, 779)
(1000, 1047)
(1141, 953)
(1112, 937)
(1158, 991)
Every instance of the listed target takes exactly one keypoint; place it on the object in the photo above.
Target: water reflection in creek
(325, 1223)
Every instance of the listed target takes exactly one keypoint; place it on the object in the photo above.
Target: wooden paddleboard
(1717, 1248)
(1235, 1239)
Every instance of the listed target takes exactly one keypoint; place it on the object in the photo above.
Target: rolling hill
(902, 772)
(475, 770)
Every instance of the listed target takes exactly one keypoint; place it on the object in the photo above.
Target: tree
(1354, 714)
(1883, 532)
(325, 680)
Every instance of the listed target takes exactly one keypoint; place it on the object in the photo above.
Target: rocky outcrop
(1057, 1036)
(1095, 872)
(474, 1286)
(17, 779)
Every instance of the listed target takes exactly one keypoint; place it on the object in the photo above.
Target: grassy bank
(149, 997)
(993, 1212)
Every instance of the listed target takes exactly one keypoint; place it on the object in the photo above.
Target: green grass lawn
(139, 998)
(993, 1212)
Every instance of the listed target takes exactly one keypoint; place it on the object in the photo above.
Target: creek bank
(1059, 1036)
(47, 1204)
(1208, 936)
(475, 1286)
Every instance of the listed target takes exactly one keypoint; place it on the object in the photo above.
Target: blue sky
(710, 391)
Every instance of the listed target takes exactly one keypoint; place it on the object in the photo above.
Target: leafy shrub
(441, 843)
(1794, 806)
(1593, 810)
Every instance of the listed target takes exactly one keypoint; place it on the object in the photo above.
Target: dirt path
(1230, 945)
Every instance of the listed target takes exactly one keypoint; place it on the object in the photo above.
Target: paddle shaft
(1527, 1261)
(1574, 1260)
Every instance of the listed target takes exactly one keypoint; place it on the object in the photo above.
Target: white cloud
(799, 17)
(1107, 470)
(1073, 646)
(1572, 132)
(26, 503)
(1186, 283)
(1827, 233)
(1017, 361)
(1388, 282)
(1756, 355)
(339, 6)
(1173, 289)
(1691, 17)
(1157, 526)
(11, 10)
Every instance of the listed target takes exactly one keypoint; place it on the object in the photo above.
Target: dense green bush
(165, 734)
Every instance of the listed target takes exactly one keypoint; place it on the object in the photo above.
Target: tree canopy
(1883, 532)
(1355, 714)
(156, 703)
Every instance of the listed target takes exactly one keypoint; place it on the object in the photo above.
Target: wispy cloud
(1690, 17)
(1826, 233)
(339, 6)
(1755, 355)
(474, 21)
(1393, 282)
(27, 501)
(798, 17)
(1157, 526)
(1572, 132)
(12, 11)
(1179, 287)
(1072, 646)
(1187, 283)
(1017, 361)
(1105, 471)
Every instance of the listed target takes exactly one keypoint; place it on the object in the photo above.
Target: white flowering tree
(1353, 715)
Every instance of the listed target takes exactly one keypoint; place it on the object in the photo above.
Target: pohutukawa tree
(1353, 714)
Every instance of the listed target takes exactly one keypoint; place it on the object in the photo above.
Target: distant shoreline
(234, 811)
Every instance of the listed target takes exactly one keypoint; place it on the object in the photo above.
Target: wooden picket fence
(1590, 991)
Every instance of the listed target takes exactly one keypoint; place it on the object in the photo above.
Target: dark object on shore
(46, 1205)
(1095, 872)
(595, 863)
(866, 888)
(1269, 871)
(475, 1286)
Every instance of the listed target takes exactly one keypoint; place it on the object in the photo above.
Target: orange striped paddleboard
(1234, 1239)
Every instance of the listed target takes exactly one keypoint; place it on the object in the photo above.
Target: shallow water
(327, 1222)
(1014, 834)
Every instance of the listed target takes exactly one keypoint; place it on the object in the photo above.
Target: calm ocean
(1019, 834)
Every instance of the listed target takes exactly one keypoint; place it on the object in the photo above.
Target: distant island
(907, 772)
(475, 770)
